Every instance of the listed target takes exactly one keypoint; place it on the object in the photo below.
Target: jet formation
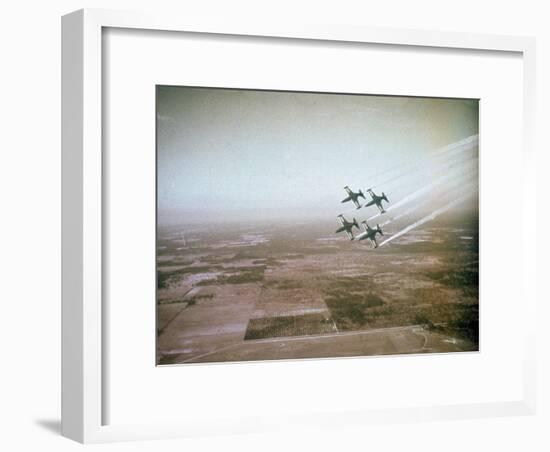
(347, 226)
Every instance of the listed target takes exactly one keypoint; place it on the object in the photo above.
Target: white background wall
(30, 221)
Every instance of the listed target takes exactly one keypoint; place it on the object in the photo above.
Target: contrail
(412, 196)
(468, 142)
(464, 187)
(465, 144)
(465, 141)
(401, 215)
(427, 218)
(415, 194)
(422, 166)
(453, 166)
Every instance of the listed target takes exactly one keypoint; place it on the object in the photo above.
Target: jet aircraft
(347, 226)
(370, 233)
(377, 200)
(352, 196)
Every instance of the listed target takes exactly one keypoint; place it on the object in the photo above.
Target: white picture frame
(83, 345)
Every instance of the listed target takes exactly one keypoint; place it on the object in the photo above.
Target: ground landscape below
(262, 292)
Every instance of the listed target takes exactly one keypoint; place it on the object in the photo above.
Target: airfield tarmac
(262, 292)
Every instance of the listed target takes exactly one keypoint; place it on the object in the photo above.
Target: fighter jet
(347, 226)
(353, 196)
(370, 233)
(377, 200)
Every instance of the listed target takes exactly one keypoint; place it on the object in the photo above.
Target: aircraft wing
(348, 190)
(356, 203)
(350, 235)
(370, 203)
(374, 243)
(340, 220)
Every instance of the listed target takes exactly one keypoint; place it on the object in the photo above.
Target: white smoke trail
(417, 193)
(460, 146)
(401, 215)
(427, 218)
(464, 186)
(472, 139)
(419, 167)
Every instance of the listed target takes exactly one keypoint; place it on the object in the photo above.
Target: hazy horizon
(240, 155)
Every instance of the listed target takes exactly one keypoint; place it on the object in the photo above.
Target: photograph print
(300, 225)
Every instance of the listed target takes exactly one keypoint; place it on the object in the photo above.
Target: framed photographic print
(264, 252)
(256, 217)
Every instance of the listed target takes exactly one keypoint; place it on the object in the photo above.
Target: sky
(230, 155)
